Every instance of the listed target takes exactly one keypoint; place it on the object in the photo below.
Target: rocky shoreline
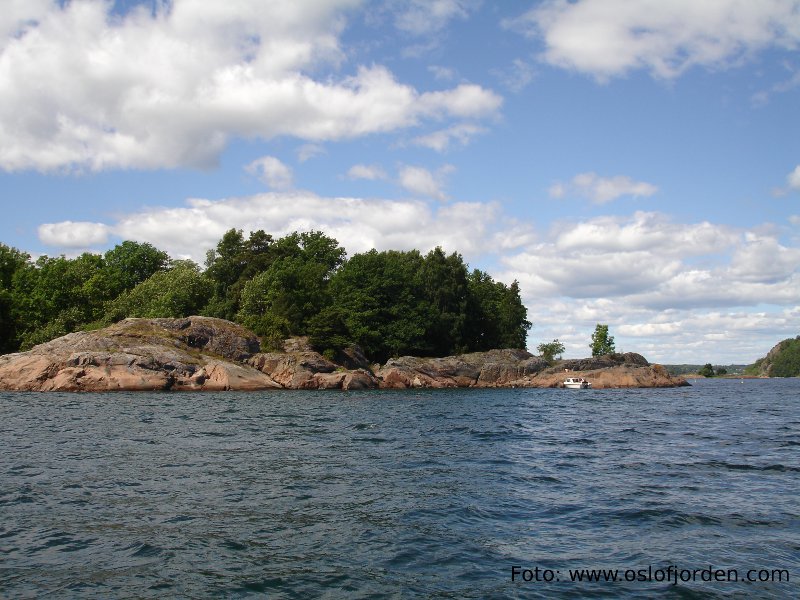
(203, 353)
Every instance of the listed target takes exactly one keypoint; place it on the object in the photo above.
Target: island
(212, 354)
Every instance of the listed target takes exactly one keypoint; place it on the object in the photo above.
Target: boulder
(196, 353)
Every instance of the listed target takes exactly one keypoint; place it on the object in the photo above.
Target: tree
(280, 301)
(707, 370)
(56, 296)
(445, 289)
(602, 343)
(496, 317)
(181, 291)
(11, 261)
(551, 350)
(130, 263)
(382, 301)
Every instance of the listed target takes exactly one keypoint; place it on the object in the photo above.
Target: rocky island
(205, 353)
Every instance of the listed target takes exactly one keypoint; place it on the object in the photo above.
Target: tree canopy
(551, 350)
(390, 302)
(602, 343)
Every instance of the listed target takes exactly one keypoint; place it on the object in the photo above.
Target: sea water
(675, 493)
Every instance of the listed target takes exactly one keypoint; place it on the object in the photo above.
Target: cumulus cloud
(73, 234)
(517, 76)
(358, 224)
(272, 172)
(677, 292)
(370, 172)
(793, 178)
(309, 151)
(442, 139)
(169, 86)
(652, 262)
(424, 17)
(425, 183)
(601, 190)
(616, 267)
(442, 73)
(608, 38)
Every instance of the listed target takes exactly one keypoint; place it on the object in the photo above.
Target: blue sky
(629, 163)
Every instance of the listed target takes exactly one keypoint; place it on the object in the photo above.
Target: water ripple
(396, 494)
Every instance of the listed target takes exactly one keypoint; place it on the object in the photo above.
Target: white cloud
(652, 262)
(517, 76)
(84, 90)
(601, 190)
(272, 172)
(309, 151)
(422, 182)
(441, 140)
(424, 17)
(73, 234)
(442, 73)
(18, 16)
(793, 178)
(608, 38)
(370, 172)
(672, 291)
(187, 232)
(763, 259)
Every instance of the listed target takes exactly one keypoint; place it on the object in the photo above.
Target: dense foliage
(390, 303)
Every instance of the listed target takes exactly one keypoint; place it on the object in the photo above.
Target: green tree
(381, 298)
(11, 261)
(181, 291)
(130, 263)
(550, 351)
(707, 370)
(444, 283)
(282, 300)
(57, 296)
(602, 343)
(496, 317)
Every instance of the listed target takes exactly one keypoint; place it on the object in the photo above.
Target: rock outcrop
(196, 353)
(478, 369)
(203, 353)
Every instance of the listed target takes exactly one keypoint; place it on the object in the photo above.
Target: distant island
(783, 360)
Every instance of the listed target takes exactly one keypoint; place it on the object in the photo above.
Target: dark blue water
(399, 494)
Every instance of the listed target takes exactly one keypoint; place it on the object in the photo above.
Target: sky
(635, 164)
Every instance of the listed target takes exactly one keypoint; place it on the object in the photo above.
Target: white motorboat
(576, 383)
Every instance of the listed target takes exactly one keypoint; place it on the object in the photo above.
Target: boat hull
(577, 384)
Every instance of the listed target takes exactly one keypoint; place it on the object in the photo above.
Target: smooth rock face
(203, 353)
(196, 353)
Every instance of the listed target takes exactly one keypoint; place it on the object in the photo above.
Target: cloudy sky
(630, 163)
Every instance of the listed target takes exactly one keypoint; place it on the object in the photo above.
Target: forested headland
(390, 303)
